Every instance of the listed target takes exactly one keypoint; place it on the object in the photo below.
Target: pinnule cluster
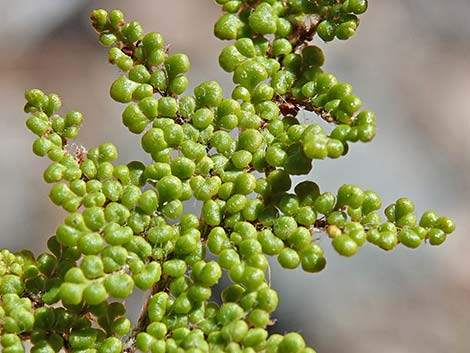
(128, 227)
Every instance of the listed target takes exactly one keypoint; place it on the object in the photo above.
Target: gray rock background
(408, 62)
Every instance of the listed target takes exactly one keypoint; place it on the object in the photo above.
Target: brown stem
(290, 106)
(143, 321)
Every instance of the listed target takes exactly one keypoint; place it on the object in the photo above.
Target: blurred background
(409, 62)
